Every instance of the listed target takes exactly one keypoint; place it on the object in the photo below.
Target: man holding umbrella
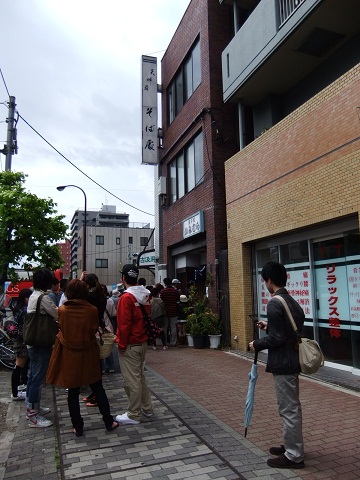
(283, 363)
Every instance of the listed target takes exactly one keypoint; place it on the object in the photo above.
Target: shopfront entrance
(323, 268)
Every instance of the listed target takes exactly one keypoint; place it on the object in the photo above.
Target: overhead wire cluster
(71, 163)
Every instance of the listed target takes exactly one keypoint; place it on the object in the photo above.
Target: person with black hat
(131, 339)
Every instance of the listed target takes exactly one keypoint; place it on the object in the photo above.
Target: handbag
(106, 343)
(151, 329)
(113, 320)
(311, 357)
(40, 329)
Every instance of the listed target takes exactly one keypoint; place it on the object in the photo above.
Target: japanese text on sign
(332, 299)
(194, 224)
(149, 110)
(298, 285)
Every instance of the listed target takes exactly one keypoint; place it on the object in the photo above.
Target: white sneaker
(125, 420)
(21, 388)
(37, 421)
(41, 411)
(20, 396)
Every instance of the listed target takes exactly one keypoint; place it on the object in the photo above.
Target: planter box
(214, 341)
(199, 341)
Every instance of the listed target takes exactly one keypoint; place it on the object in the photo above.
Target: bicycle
(7, 354)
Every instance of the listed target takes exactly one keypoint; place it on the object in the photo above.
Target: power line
(2, 76)
(77, 168)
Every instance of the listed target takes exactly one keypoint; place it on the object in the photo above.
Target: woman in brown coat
(75, 358)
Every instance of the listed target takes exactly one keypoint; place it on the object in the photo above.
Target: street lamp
(61, 188)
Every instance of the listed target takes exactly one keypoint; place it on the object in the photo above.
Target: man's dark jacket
(281, 341)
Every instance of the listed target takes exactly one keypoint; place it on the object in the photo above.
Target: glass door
(331, 274)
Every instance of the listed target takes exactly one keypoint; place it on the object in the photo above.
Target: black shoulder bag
(40, 329)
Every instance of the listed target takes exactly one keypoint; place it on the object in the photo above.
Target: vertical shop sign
(333, 299)
(353, 272)
(149, 110)
(299, 287)
(332, 293)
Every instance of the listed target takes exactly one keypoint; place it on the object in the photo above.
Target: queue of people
(82, 307)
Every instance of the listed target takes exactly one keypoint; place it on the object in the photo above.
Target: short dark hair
(142, 281)
(167, 282)
(42, 279)
(55, 281)
(76, 289)
(276, 272)
(63, 283)
(154, 292)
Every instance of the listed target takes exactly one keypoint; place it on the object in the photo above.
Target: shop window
(186, 171)
(297, 252)
(267, 255)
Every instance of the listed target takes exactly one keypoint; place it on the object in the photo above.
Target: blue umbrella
(253, 375)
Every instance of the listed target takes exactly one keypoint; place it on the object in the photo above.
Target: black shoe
(283, 462)
(277, 450)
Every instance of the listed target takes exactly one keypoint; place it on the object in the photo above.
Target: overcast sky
(74, 67)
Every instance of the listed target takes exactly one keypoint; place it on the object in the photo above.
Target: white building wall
(116, 254)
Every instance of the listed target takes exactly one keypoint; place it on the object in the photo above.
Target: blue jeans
(108, 363)
(39, 362)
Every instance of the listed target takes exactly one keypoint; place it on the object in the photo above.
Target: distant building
(65, 252)
(111, 241)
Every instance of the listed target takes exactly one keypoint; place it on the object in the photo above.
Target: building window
(184, 84)
(101, 263)
(130, 240)
(99, 239)
(117, 240)
(186, 171)
(143, 241)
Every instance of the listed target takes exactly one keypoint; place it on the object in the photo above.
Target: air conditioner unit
(161, 186)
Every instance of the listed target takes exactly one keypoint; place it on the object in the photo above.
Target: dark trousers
(101, 400)
(18, 377)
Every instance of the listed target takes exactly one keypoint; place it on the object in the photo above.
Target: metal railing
(287, 8)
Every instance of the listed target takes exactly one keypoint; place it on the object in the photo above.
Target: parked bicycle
(7, 354)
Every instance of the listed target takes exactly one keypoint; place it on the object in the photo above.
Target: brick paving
(197, 430)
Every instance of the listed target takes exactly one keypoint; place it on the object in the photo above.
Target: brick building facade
(204, 120)
(293, 192)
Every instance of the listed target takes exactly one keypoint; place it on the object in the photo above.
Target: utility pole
(11, 143)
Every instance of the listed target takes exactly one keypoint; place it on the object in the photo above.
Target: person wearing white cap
(182, 314)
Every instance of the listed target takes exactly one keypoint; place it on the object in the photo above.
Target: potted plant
(194, 325)
(190, 319)
(202, 321)
(197, 332)
(212, 326)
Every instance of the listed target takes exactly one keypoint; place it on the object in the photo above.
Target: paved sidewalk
(196, 432)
